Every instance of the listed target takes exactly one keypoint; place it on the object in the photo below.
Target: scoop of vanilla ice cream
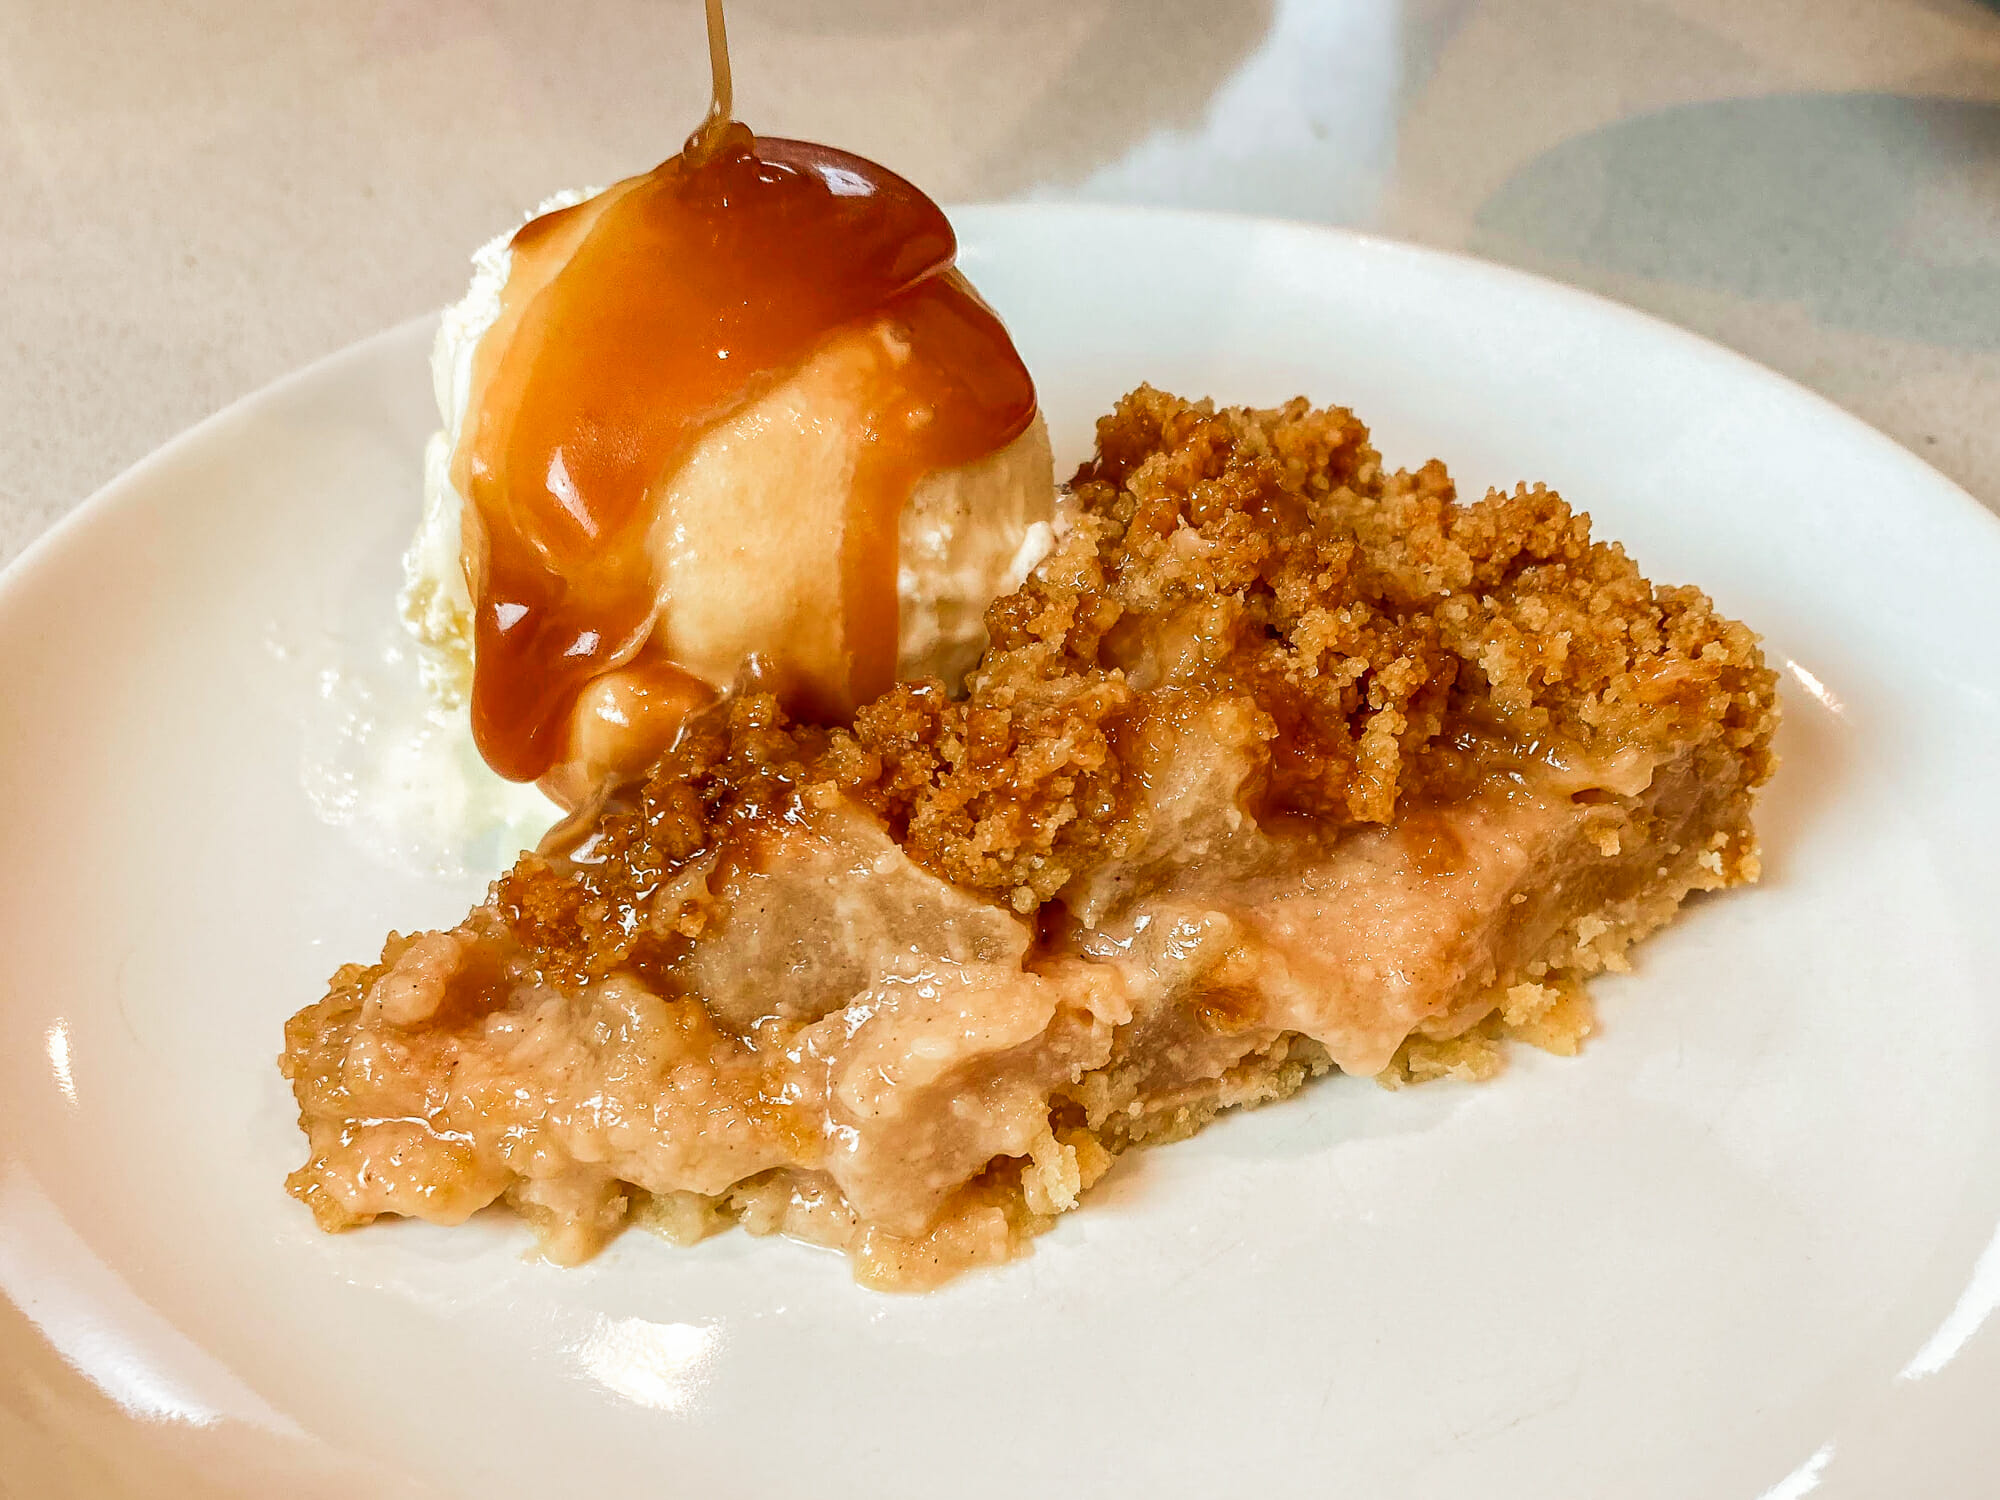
(966, 535)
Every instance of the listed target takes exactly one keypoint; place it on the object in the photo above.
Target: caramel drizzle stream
(707, 141)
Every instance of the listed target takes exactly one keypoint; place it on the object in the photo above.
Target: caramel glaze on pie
(1279, 762)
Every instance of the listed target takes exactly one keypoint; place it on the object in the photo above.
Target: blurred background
(203, 195)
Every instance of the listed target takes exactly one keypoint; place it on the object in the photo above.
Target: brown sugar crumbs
(1366, 626)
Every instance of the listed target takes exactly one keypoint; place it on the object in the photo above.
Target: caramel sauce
(1431, 836)
(1229, 1009)
(635, 322)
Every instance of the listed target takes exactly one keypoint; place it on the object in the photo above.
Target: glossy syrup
(680, 296)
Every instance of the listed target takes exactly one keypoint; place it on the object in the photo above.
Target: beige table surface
(203, 195)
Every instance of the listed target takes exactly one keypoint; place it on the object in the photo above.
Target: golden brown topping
(613, 901)
(1363, 632)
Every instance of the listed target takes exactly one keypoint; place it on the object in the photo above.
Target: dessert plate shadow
(1748, 1244)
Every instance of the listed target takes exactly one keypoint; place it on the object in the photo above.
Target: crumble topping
(1360, 634)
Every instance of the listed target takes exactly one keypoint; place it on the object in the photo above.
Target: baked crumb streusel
(1278, 762)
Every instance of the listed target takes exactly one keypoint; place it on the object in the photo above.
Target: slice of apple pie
(1277, 763)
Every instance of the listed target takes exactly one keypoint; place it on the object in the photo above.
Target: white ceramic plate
(1745, 1246)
